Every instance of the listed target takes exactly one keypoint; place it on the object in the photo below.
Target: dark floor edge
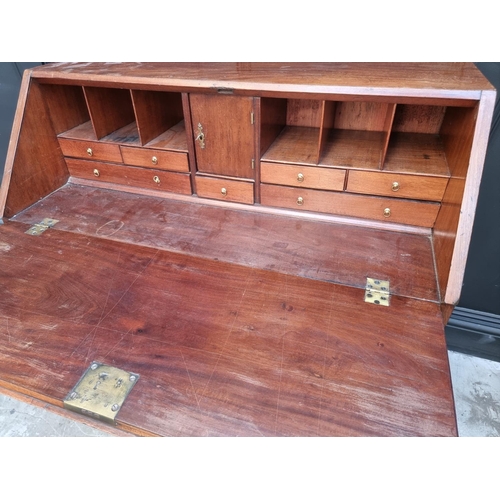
(475, 333)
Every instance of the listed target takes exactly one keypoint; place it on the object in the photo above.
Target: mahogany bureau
(264, 249)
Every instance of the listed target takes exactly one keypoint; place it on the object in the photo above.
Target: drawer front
(224, 189)
(330, 179)
(418, 187)
(159, 180)
(155, 158)
(415, 213)
(91, 150)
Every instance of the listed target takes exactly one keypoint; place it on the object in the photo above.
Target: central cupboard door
(224, 132)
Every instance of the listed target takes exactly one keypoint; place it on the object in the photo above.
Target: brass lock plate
(101, 392)
(377, 292)
(41, 227)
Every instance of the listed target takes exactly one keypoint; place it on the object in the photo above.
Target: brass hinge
(253, 164)
(377, 292)
(41, 227)
(252, 118)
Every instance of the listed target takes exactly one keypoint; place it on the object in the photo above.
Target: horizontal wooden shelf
(173, 139)
(407, 152)
(353, 149)
(416, 153)
(295, 145)
(82, 132)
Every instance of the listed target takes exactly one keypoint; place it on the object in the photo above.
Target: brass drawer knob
(156, 179)
(223, 191)
(387, 212)
(300, 201)
(96, 172)
(395, 186)
(90, 152)
(154, 160)
(300, 177)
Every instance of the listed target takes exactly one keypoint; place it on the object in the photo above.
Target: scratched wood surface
(307, 248)
(222, 349)
(412, 80)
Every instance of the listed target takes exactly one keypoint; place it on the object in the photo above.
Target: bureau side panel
(466, 145)
(35, 166)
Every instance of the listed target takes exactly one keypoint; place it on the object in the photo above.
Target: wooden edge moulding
(291, 165)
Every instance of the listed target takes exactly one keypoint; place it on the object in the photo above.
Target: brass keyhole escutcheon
(300, 201)
(96, 172)
(156, 179)
(90, 152)
(223, 191)
(201, 136)
(300, 177)
(395, 186)
(154, 160)
(387, 212)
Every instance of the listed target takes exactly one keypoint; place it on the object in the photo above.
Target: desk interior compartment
(243, 304)
(327, 133)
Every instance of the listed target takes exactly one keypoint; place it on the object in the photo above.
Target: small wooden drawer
(155, 158)
(414, 213)
(91, 150)
(418, 187)
(130, 176)
(330, 179)
(225, 189)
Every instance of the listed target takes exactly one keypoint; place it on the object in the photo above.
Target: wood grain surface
(156, 112)
(110, 109)
(148, 178)
(417, 213)
(417, 187)
(34, 166)
(453, 83)
(222, 349)
(311, 249)
(331, 179)
(163, 160)
(225, 189)
(229, 135)
(243, 320)
(465, 137)
(295, 145)
(90, 150)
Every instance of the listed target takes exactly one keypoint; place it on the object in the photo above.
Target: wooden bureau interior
(218, 230)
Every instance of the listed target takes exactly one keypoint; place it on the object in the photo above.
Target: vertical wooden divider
(326, 125)
(155, 112)
(257, 128)
(67, 106)
(389, 120)
(186, 109)
(110, 109)
(272, 121)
